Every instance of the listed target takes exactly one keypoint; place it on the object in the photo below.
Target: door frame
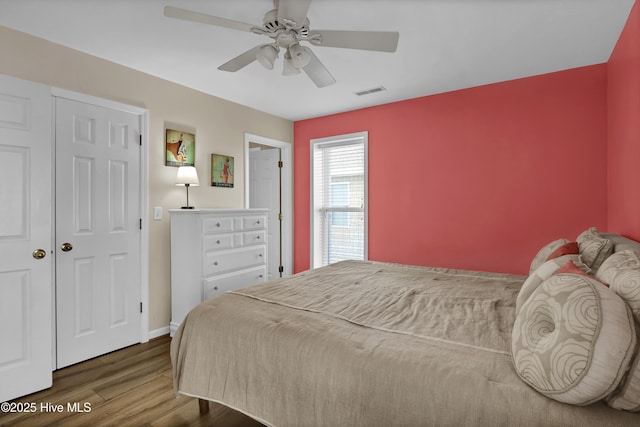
(286, 153)
(144, 198)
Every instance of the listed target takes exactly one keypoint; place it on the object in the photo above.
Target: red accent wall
(479, 178)
(623, 90)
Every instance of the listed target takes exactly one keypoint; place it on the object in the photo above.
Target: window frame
(337, 140)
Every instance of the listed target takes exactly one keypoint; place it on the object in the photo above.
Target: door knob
(39, 254)
(66, 247)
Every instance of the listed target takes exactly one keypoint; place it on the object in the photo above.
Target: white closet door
(98, 235)
(26, 260)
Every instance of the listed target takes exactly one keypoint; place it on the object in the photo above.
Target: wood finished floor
(129, 387)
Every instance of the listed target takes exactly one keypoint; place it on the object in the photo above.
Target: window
(338, 199)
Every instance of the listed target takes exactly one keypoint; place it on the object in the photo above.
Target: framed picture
(181, 148)
(221, 171)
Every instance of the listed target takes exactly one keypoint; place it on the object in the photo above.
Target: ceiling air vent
(372, 90)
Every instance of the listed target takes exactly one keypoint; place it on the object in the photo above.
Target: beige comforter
(369, 344)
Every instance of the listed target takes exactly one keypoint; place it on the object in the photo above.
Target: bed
(363, 343)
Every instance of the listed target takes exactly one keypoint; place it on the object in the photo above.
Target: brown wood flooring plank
(129, 387)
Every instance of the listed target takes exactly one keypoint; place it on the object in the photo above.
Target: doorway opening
(280, 204)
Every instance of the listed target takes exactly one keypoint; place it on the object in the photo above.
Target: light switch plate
(157, 213)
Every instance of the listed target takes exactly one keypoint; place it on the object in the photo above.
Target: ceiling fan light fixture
(287, 25)
(299, 56)
(267, 55)
(289, 69)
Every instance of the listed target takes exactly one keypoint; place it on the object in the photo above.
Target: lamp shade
(289, 69)
(299, 56)
(267, 55)
(187, 175)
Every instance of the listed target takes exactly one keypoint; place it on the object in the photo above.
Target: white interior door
(25, 227)
(98, 236)
(264, 192)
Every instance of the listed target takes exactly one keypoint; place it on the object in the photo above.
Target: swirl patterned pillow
(594, 248)
(622, 271)
(626, 265)
(573, 339)
(544, 252)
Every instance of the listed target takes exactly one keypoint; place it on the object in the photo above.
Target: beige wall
(219, 126)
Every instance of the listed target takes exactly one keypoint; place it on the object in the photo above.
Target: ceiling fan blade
(316, 71)
(203, 18)
(241, 60)
(293, 10)
(380, 41)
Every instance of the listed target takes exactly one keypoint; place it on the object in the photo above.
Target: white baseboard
(158, 332)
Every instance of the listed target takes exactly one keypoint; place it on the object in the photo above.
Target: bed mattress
(369, 344)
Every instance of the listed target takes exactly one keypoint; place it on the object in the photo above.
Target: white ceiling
(444, 44)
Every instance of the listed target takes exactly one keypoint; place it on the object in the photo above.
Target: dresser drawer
(218, 262)
(218, 242)
(217, 225)
(253, 238)
(254, 222)
(217, 285)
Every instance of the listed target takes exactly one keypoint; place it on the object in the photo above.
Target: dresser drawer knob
(258, 237)
(215, 288)
(218, 242)
(217, 224)
(260, 255)
(260, 276)
(215, 262)
(258, 222)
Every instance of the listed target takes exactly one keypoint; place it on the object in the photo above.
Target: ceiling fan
(287, 25)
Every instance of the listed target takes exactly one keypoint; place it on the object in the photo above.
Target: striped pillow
(542, 273)
(627, 397)
(544, 253)
(622, 271)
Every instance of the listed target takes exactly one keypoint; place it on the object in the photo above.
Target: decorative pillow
(566, 249)
(542, 273)
(544, 252)
(627, 396)
(620, 260)
(594, 248)
(573, 340)
(571, 268)
(622, 271)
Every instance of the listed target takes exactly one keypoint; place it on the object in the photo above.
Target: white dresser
(214, 251)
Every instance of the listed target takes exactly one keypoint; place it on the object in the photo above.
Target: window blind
(339, 199)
